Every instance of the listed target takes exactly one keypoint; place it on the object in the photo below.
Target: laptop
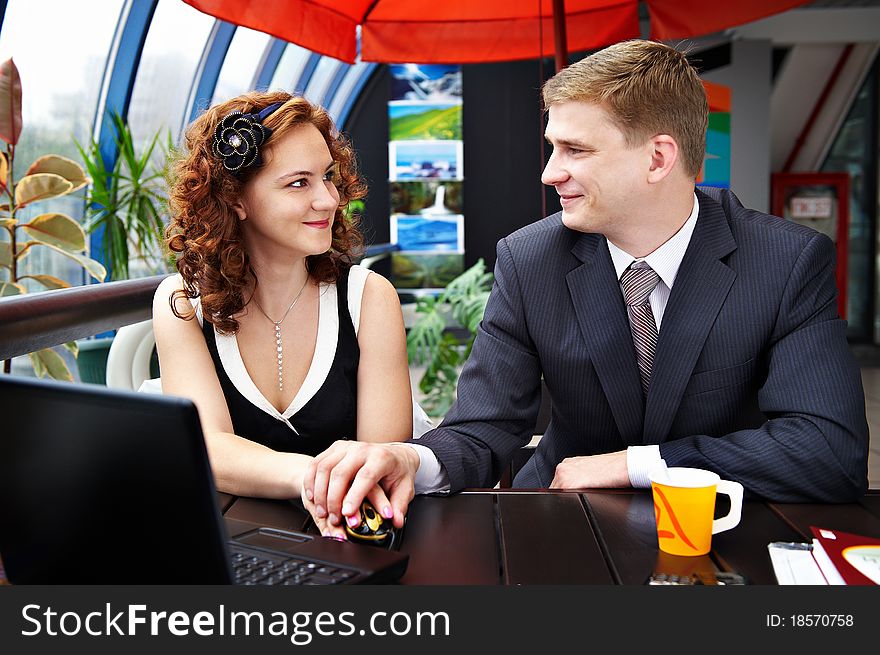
(103, 486)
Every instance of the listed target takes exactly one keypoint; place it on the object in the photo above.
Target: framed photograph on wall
(819, 201)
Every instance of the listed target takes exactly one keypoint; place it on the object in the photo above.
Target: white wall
(799, 85)
(748, 77)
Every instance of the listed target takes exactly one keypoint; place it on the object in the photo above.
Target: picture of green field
(414, 271)
(424, 121)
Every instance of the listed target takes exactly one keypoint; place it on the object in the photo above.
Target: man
(667, 322)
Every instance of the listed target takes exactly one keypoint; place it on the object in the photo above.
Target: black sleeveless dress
(321, 413)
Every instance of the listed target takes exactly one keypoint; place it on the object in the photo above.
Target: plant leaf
(40, 186)
(66, 168)
(10, 102)
(22, 249)
(57, 230)
(73, 347)
(425, 336)
(37, 363)
(8, 222)
(4, 169)
(48, 281)
(429, 342)
(127, 199)
(11, 289)
(48, 362)
(6, 252)
(94, 268)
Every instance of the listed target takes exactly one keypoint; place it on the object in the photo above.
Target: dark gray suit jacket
(752, 377)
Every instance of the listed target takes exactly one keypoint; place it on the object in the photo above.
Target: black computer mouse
(373, 528)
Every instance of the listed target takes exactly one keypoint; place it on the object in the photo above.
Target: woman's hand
(326, 528)
(338, 479)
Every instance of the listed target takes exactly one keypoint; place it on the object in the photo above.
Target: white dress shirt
(665, 261)
(640, 460)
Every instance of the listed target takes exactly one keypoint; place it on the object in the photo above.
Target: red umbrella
(469, 31)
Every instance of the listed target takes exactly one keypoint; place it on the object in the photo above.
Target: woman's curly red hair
(204, 229)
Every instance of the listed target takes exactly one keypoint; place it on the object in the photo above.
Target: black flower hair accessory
(238, 138)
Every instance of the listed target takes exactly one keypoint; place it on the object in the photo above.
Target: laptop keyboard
(255, 567)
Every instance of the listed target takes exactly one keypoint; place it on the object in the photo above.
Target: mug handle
(735, 491)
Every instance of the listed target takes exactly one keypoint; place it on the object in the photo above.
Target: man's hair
(647, 87)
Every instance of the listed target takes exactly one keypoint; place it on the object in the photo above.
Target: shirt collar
(666, 260)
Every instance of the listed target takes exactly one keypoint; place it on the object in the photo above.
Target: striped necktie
(637, 283)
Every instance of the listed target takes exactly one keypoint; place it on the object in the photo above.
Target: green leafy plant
(354, 208)
(128, 200)
(50, 176)
(430, 342)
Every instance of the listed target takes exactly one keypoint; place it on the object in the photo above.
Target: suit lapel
(604, 326)
(699, 291)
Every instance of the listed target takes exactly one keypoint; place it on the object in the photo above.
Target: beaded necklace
(279, 345)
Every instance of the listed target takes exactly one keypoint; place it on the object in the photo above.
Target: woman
(282, 344)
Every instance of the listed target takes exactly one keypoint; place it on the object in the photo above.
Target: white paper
(794, 564)
(832, 575)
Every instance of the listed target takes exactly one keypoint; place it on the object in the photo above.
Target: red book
(855, 557)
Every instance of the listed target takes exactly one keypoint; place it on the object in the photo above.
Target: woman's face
(289, 204)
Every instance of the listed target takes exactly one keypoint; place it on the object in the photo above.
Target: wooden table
(516, 537)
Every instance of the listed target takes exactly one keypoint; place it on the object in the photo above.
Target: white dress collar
(325, 352)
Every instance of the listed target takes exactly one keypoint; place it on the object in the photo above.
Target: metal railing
(35, 321)
(41, 320)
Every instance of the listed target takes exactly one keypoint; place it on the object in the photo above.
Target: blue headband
(238, 137)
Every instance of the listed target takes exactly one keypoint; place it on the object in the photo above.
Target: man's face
(599, 178)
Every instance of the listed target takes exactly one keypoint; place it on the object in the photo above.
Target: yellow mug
(684, 507)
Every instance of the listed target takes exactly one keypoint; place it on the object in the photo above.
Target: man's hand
(336, 482)
(593, 471)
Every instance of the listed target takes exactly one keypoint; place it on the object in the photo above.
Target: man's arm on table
(814, 446)
(499, 394)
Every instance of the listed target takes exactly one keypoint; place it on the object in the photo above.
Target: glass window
(345, 88)
(290, 68)
(169, 59)
(244, 54)
(61, 62)
(324, 72)
(168, 64)
(853, 152)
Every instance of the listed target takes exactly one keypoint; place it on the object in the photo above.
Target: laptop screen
(102, 486)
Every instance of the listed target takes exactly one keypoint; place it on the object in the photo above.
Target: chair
(377, 252)
(128, 362)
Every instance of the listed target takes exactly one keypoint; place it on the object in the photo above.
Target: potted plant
(50, 176)
(430, 342)
(127, 201)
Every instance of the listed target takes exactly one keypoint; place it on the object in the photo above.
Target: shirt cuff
(431, 478)
(640, 461)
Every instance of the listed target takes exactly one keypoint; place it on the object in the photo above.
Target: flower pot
(91, 362)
